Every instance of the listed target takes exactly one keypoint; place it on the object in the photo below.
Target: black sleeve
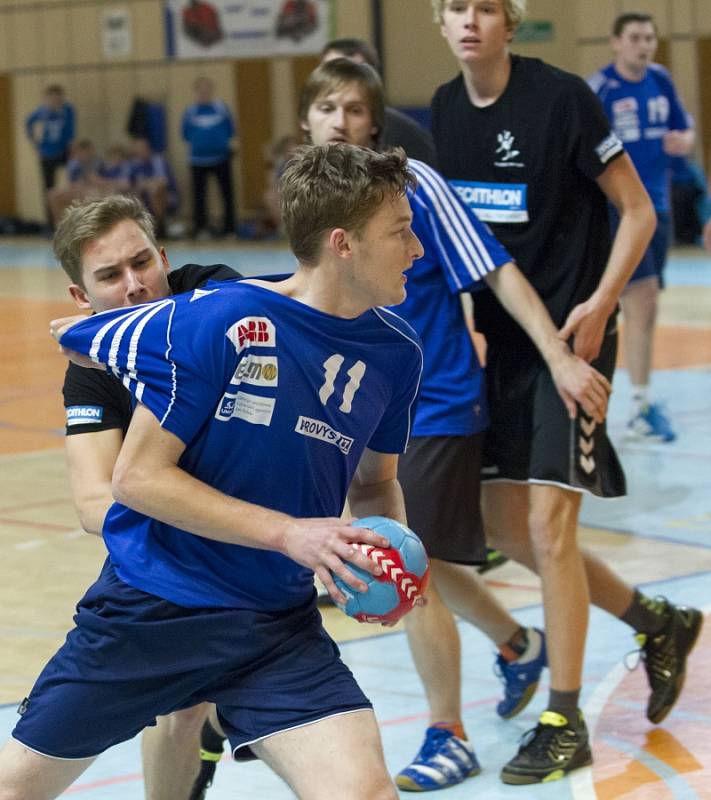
(94, 401)
(594, 143)
(193, 276)
(402, 131)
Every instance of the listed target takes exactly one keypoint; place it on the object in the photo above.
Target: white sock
(640, 397)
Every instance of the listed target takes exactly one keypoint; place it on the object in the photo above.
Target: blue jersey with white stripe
(275, 402)
(459, 251)
(642, 113)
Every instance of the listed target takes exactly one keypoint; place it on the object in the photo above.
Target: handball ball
(406, 571)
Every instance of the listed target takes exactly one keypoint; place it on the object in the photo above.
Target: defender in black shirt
(530, 150)
(108, 249)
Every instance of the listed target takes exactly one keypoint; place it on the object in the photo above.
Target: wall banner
(246, 28)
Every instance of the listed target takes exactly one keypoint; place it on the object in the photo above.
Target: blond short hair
(336, 186)
(515, 10)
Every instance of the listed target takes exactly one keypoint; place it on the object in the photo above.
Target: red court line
(34, 504)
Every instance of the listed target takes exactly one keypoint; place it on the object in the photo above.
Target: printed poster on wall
(246, 28)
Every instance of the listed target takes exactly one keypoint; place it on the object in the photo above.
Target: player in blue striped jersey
(260, 403)
(343, 101)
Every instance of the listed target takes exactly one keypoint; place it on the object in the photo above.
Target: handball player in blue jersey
(260, 403)
(645, 112)
(439, 474)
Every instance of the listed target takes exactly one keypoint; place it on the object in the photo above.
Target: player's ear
(340, 243)
(164, 259)
(79, 296)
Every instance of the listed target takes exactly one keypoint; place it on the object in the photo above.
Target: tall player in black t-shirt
(530, 149)
(108, 249)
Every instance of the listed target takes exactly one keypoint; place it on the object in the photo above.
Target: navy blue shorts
(133, 656)
(655, 256)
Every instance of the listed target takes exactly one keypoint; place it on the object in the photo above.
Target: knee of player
(549, 538)
(186, 724)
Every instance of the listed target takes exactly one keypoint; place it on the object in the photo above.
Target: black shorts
(439, 476)
(531, 438)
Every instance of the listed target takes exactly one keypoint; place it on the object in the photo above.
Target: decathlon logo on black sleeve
(84, 415)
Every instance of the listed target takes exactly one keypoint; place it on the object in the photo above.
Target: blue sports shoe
(444, 760)
(520, 680)
(651, 424)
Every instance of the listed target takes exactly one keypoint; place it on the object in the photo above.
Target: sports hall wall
(59, 41)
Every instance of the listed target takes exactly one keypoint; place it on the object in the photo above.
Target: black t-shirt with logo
(527, 165)
(96, 401)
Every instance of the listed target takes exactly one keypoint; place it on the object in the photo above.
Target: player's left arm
(575, 380)
(623, 188)
(375, 489)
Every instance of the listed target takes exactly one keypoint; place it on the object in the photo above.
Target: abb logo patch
(252, 332)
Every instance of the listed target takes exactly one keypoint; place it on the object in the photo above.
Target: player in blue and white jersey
(260, 403)
(343, 101)
(647, 115)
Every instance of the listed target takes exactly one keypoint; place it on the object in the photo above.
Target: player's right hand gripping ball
(406, 570)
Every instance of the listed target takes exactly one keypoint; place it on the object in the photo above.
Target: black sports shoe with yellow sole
(664, 655)
(550, 751)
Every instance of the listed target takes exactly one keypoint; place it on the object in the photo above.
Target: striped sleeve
(466, 248)
(152, 349)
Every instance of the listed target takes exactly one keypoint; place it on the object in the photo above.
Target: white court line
(33, 544)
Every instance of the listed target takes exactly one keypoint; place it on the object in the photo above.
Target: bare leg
(340, 757)
(505, 530)
(25, 775)
(553, 526)
(171, 753)
(639, 307)
(467, 595)
(436, 650)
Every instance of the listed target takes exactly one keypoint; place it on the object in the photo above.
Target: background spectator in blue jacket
(208, 128)
(51, 127)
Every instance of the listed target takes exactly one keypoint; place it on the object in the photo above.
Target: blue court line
(647, 536)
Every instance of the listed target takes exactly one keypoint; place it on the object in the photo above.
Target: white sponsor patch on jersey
(317, 429)
(608, 147)
(257, 371)
(249, 407)
(495, 202)
(252, 332)
(84, 415)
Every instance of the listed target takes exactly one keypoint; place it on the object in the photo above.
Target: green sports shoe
(550, 751)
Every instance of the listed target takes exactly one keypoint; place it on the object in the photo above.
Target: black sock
(646, 615)
(210, 739)
(565, 703)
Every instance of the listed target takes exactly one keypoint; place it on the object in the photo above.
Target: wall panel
(25, 33)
